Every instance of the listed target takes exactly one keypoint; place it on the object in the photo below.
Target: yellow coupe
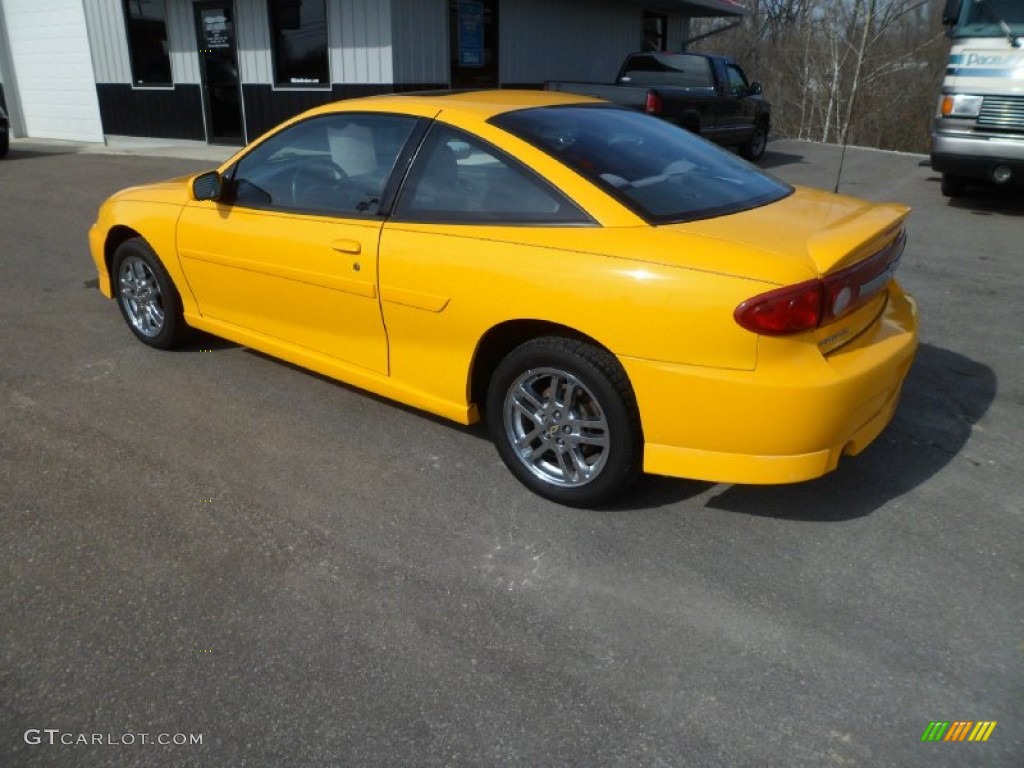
(613, 294)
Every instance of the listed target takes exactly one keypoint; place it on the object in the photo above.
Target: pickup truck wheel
(754, 147)
(953, 186)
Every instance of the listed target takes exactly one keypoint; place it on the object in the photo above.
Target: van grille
(1002, 113)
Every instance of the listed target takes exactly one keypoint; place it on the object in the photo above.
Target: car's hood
(807, 234)
(171, 191)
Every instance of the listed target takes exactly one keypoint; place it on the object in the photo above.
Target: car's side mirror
(756, 89)
(206, 186)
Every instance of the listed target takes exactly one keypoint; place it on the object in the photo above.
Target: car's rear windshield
(660, 171)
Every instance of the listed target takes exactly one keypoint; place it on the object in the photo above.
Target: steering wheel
(315, 174)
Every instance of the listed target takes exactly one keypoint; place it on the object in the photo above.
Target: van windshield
(981, 18)
(660, 171)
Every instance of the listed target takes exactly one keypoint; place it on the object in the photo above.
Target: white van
(979, 126)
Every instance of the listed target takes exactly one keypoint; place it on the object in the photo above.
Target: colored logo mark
(958, 730)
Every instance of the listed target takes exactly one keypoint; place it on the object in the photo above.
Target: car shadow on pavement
(16, 154)
(986, 202)
(771, 159)
(654, 492)
(944, 396)
(982, 200)
(200, 341)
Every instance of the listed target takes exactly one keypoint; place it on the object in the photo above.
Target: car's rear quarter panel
(791, 419)
(484, 276)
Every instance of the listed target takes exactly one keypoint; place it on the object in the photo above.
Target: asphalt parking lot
(209, 542)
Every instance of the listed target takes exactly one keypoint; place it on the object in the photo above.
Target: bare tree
(862, 71)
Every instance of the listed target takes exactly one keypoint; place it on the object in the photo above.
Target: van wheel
(565, 422)
(953, 186)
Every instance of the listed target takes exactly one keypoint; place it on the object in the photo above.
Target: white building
(226, 71)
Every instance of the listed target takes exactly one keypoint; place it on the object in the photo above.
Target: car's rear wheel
(564, 420)
(5, 143)
(148, 300)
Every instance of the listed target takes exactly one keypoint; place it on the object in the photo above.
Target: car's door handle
(347, 246)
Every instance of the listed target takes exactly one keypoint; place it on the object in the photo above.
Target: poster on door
(216, 30)
(471, 33)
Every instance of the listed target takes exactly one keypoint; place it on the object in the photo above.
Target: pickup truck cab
(708, 95)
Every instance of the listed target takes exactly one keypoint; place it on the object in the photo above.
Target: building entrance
(218, 66)
(473, 26)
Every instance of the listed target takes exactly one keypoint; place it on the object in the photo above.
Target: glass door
(473, 32)
(218, 66)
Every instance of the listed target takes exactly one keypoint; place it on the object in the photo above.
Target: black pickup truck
(705, 94)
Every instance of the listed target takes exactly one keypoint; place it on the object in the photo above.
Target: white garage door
(53, 72)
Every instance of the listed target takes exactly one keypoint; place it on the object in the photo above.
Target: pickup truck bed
(708, 95)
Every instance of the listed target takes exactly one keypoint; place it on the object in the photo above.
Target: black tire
(581, 444)
(691, 123)
(753, 149)
(953, 186)
(146, 296)
(5, 143)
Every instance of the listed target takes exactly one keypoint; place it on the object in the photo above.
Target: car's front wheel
(564, 420)
(146, 295)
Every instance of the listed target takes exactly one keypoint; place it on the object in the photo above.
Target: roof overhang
(696, 8)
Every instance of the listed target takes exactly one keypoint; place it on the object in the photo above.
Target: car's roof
(480, 104)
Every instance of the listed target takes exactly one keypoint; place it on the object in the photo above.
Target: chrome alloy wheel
(140, 296)
(556, 427)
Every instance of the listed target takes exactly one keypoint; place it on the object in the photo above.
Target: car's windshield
(981, 18)
(662, 172)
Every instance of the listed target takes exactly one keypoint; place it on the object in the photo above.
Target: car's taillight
(652, 104)
(855, 286)
(784, 310)
(813, 303)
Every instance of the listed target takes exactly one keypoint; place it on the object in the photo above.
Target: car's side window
(459, 179)
(737, 81)
(332, 164)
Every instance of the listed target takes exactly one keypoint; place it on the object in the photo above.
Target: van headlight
(961, 105)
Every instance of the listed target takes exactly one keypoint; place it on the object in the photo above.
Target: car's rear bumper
(788, 420)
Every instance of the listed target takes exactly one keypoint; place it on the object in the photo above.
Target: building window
(655, 31)
(146, 24)
(299, 31)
